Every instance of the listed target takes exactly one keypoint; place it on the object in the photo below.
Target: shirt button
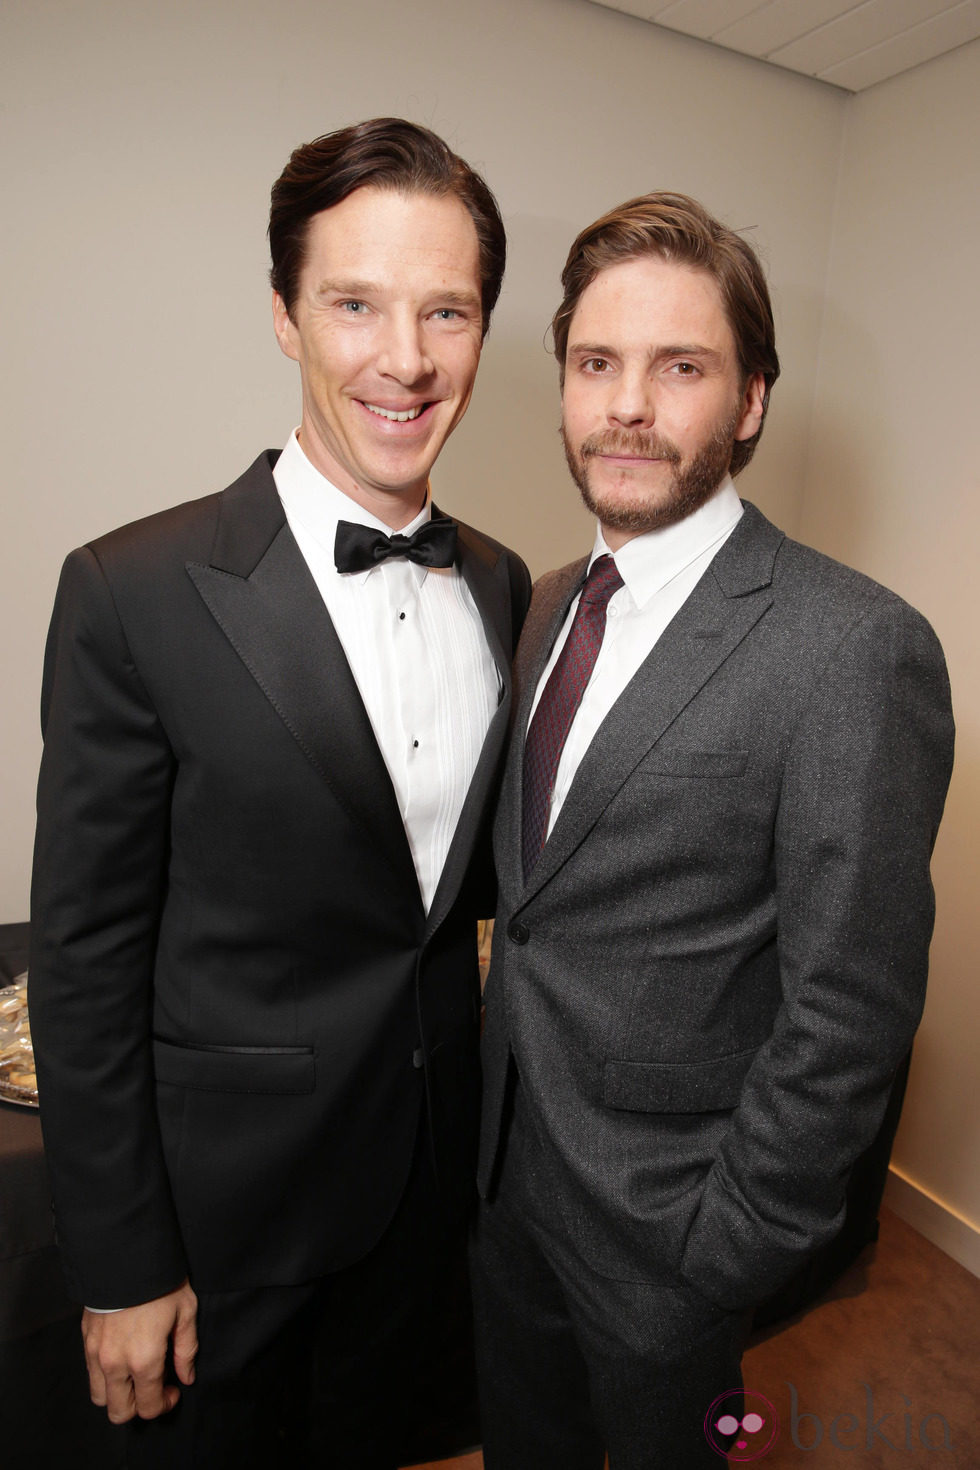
(418, 1058)
(519, 932)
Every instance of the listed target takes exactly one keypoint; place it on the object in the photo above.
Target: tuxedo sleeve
(861, 798)
(100, 874)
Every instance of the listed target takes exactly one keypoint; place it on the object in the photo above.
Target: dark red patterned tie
(560, 699)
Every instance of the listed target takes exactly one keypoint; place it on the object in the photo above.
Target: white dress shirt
(660, 570)
(419, 655)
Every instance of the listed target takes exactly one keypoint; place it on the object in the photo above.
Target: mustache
(645, 443)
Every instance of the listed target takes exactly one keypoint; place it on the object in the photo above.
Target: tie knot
(603, 580)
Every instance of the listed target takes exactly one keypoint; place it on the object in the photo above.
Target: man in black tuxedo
(273, 721)
(729, 765)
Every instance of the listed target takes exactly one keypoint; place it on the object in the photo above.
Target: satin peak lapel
(485, 574)
(261, 593)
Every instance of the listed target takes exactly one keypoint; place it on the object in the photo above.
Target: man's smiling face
(387, 331)
(653, 397)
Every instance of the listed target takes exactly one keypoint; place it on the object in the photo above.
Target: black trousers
(572, 1365)
(368, 1368)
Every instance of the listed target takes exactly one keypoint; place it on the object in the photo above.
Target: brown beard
(693, 483)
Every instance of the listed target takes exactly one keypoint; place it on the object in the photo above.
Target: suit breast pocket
(699, 764)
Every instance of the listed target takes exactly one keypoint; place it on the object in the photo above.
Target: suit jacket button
(519, 932)
(418, 1057)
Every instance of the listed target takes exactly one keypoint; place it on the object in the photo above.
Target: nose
(630, 404)
(404, 355)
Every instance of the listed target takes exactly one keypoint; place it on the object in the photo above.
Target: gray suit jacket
(720, 958)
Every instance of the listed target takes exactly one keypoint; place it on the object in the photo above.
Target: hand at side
(126, 1353)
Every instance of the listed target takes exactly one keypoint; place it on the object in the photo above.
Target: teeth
(396, 417)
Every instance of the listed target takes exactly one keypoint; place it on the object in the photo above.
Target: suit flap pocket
(704, 763)
(285, 1069)
(666, 1087)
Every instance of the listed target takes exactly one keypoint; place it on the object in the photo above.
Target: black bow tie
(359, 547)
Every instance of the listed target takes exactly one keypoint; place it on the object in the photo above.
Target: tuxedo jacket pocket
(256, 1069)
(707, 764)
(676, 1087)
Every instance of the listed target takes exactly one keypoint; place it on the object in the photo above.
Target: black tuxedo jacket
(720, 958)
(239, 1005)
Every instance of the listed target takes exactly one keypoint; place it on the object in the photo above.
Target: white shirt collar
(313, 501)
(648, 562)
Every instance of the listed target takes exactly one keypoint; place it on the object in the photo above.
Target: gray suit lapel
(261, 593)
(553, 596)
(724, 607)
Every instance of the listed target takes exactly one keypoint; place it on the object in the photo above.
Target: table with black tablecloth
(32, 1292)
(46, 1420)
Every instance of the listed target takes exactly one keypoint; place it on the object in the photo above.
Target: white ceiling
(852, 43)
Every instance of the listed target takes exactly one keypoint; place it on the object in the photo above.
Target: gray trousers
(573, 1365)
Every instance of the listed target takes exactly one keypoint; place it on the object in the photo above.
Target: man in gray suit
(729, 765)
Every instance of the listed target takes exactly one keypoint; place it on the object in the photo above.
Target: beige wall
(138, 145)
(892, 487)
(139, 142)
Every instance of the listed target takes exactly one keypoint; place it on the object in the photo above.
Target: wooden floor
(883, 1373)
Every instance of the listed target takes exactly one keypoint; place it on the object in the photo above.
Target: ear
(285, 329)
(753, 406)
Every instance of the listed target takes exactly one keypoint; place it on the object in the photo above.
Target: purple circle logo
(741, 1425)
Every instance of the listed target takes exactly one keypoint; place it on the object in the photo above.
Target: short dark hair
(385, 153)
(679, 229)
